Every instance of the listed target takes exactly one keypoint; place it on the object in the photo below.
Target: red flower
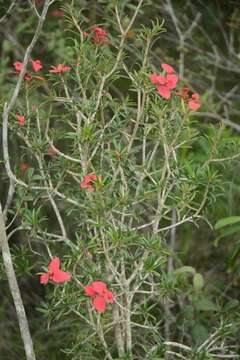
(18, 65)
(87, 182)
(168, 68)
(183, 93)
(193, 102)
(21, 120)
(100, 35)
(165, 83)
(24, 166)
(27, 77)
(100, 295)
(164, 91)
(54, 273)
(155, 79)
(36, 65)
(59, 69)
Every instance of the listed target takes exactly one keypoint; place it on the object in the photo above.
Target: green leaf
(198, 282)
(206, 305)
(231, 305)
(199, 333)
(235, 229)
(226, 221)
(185, 269)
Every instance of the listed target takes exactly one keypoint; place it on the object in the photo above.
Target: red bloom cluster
(21, 120)
(100, 295)
(36, 66)
(18, 65)
(183, 92)
(169, 82)
(54, 273)
(97, 291)
(60, 68)
(100, 35)
(165, 83)
(193, 101)
(88, 181)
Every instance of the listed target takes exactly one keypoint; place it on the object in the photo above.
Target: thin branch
(16, 295)
(9, 106)
(227, 122)
(8, 11)
(7, 259)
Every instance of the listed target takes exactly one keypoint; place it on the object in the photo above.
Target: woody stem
(16, 295)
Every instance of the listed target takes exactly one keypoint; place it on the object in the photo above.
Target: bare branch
(22, 319)
(16, 295)
(8, 11)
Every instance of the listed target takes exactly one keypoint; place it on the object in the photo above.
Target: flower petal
(99, 287)
(83, 184)
(21, 120)
(44, 278)
(54, 264)
(154, 78)
(168, 68)
(172, 81)
(93, 177)
(90, 188)
(99, 304)
(164, 91)
(109, 297)
(65, 68)
(53, 69)
(61, 276)
(100, 35)
(36, 65)
(89, 290)
(195, 96)
(18, 65)
(162, 80)
(87, 179)
(193, 105)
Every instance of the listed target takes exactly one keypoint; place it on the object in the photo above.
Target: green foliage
(161, 181)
